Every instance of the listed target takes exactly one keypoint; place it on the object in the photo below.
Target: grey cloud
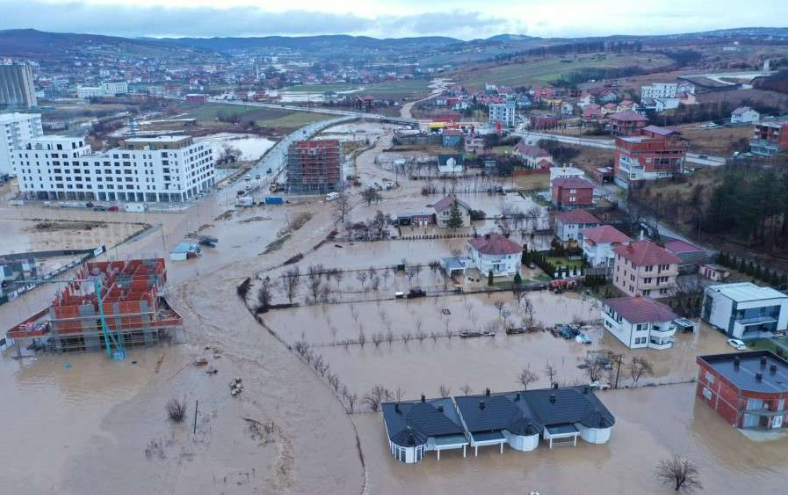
(238, 21)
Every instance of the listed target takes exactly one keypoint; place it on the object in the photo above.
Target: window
(709, 377)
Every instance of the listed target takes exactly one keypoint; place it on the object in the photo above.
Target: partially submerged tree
(342, 207)
(176, 410)
(290, 281)
(371, 195)
(638, 367)
(527, 376)
(550, 372)
(376, 396)
(679, 474)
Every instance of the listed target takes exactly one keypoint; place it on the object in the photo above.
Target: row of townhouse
(164, 169)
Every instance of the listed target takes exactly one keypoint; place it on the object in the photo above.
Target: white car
(737, 344)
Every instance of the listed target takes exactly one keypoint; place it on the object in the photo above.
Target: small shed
(185, 250)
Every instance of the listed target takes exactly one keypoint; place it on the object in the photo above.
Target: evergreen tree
(517, 279)
(455, 217)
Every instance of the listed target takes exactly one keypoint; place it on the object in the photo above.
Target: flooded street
(79, 423)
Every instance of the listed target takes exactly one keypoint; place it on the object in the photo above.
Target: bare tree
(362, 278)
(342, 207)
(351, 399)
(500, 305)
(444, 390)
(290, 281)
(399, 394)
(550, 372)
(265, 295)
(412, 271)
(528, 310)
(679, 473)
(376, 396)
(377, 339)
(638, 367)
(527, 376)
(593, 367)
(406, 337)
(466, 389)
(362, 339)
(176, 410)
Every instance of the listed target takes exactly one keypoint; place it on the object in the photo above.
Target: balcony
(660, 345)
(663, 332)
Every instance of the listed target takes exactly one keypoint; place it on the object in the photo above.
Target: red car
(113, 208)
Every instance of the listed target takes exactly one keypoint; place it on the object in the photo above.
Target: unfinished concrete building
(314, 167)
(134, 310)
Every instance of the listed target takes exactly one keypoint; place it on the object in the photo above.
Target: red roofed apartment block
(653, 153)
(572, 192)
(626, 123)
(496, 253)
(645, 269)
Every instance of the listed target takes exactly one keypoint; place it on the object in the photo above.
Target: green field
(263, 117)
(766, 344)
(392, 90)
(544, 71)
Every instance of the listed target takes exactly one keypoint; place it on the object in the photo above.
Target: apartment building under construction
(314, 167)
(129, 302)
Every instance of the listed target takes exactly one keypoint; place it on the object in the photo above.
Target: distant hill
(31, 43)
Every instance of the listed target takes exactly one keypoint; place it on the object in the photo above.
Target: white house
(568, 224)
(15, 128)
(533, 157)
(639, 322)
(745, 310)
(598, 245)
(745, 115)
(165, 169)
(494, 252)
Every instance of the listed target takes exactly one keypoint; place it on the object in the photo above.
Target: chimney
(482, 405)
(440, 409)
(736, 362)
(396, 408)
(487, 236)
(555, 385)
(773, 369)
(552, 398)
(586, 389)
(517, 397)
(423, 398)
(487, 391)
(763, 361)
(759, 377)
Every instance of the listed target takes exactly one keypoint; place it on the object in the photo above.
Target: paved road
(533, 137)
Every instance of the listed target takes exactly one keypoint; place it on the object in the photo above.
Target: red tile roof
(575, 216)
(527, 149)
(628, 116)
(605, 235)
(495, 244)
(642, 253)
(641, 309)
(678, 246)
(448, 201)
(572, 183)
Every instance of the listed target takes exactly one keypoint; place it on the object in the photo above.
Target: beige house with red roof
(639, 322)
(494, 252)
(598, 245)
(645, 269)
(443, 211)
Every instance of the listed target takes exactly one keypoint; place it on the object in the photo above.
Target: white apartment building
(666, 90)
(164, 169)
(14, 129)
(115, 88)
(503, 113)
(744, 310)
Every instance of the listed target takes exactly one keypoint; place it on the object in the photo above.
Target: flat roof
(161, 139)
(747, 292)
(750, 363)
(16, 116)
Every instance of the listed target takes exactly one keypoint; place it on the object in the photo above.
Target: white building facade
(497, 254)
(666, 90)
(640, 322)
(15, 128)
(503, 113)
(161, 169)
(744, 310)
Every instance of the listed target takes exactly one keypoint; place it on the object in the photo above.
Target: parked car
(99, 208)
(113, 208)
(737, 344)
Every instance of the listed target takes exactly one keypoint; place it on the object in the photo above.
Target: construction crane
(112, 341)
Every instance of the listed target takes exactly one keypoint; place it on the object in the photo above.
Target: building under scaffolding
(314, 167)
(135, 311)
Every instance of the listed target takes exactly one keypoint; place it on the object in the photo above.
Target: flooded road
(80, 424)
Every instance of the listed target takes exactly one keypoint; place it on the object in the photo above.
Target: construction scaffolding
(314, 167)
(132, 307)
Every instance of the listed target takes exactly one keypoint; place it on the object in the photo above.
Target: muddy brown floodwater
(80, 424)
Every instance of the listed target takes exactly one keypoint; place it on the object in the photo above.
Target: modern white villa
(521, 420)
(494, 252)
(745, 310)
(640, 322)
(598, 245)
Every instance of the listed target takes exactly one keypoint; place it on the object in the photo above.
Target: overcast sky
(388, 18)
